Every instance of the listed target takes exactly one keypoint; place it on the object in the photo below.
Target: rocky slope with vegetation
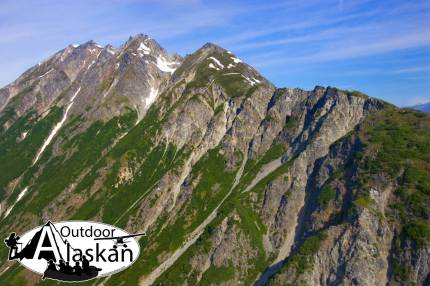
(225, 172)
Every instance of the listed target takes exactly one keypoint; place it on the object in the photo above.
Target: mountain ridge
(223, 170)
(425, 107)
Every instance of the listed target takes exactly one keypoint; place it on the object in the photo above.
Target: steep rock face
(88, 84)
(110, 79)
(225, 172)
(327, 117)
(366, 215)
(41, 85)
(279, 219)
(204, 116)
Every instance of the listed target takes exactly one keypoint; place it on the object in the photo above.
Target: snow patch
(151, 98)
(115, 81)
(211, 65)
(165, 65)
(91, 64)
(217, 62)
(75, 45)
(236, 60)
(111, 51)
(46, 73)
(252, 81)
(21, 194)
(56, 128)
(231, 66)
(144, 48)
(94, 61)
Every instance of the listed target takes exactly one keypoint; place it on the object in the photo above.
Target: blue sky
(380, 47)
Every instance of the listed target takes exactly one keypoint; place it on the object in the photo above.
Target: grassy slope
(16, 157)
(59, 171)
(249, 225)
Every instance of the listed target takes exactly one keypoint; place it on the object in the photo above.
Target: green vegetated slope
(16, 157)
(396, 145)
(392, 147)
(58, 173)
(400, 139)
(392, 132)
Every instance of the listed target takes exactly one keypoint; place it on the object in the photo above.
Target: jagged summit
(139, 36)
(136, 41)
(213, 47)
(138, 69)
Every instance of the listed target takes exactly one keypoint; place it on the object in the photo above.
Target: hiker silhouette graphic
(12, 243)
(51, 236)
(52, 248)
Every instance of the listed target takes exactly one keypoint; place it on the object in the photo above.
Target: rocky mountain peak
(214, 63)
(213, 47)
(137, 37)
(141, 43)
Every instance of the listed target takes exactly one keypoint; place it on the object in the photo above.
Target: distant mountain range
(422, 107)
(235, 181)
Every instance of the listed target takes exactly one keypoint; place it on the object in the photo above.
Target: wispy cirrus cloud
(357, 43)
(414, 70)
